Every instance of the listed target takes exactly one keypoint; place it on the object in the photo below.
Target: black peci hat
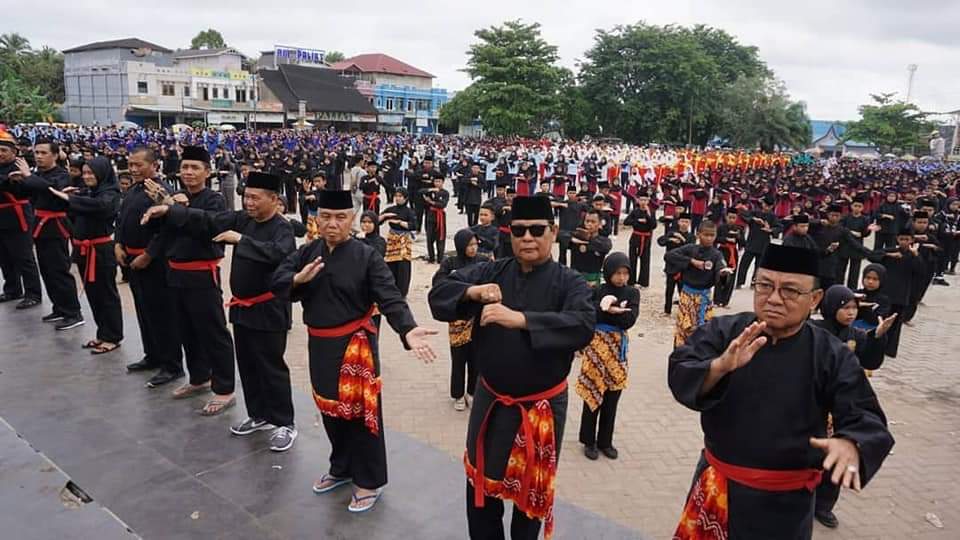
(791, 260)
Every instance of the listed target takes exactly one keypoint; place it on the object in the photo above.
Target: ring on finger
(851, 468)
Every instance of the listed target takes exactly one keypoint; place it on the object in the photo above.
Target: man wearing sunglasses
(530, 316)
(764, 383)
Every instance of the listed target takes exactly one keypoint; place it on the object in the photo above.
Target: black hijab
(106, 177)
(835, 298)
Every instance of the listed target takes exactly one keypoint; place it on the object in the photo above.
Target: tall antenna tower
(911, 71)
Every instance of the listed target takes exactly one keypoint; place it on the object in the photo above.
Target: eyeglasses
(790, 294)
(520, 231)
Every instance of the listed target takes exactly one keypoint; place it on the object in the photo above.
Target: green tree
(651, 83)
(462, 109)
(333, 57)
(889, 124)
(577, 117)
(208, 39)
(20, 102)
(516, 82)
(40, 70)
(757, 112)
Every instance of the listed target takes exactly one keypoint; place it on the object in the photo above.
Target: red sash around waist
(47, 215)
(526, 432)
(17, 205)
(371, 199)
(89, 252)
(706, 513)
(440, 216)
(198, 266)
(504, 229)
(731, 249)
(365, 322)
(767, 479)
(643, 236)
(248, 302)
(133, 252)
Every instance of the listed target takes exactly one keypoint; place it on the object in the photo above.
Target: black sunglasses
(520, 231)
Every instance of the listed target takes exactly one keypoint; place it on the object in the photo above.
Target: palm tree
(13, 44)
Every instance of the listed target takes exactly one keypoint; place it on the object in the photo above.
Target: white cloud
(831, 54)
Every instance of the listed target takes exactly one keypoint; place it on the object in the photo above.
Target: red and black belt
(252, 301)
(345, 329)
(440, 215)
(17, 205)
(47, 215)
(643, 236)
(198, 266)
(88, 250)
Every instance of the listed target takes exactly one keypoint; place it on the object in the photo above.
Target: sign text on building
(296, 55)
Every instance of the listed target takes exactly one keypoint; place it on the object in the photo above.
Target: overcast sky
(831, 54)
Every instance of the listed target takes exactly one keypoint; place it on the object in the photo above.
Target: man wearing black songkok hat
(342, 283)
(764, 383)
(531, 315)
(262, 238)
(193, 277)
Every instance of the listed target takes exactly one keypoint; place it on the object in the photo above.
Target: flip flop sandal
(103, 348)
(375, 497)
(216, 406)
(337, 482)
(92, 344)
(188, 391)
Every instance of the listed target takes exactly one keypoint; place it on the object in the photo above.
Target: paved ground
(658, 439)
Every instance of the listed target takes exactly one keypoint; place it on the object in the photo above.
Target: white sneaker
(282, 438)
(459, 404)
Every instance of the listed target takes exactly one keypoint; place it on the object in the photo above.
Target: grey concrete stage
(167, 473)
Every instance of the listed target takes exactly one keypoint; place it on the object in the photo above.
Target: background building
(318, 96)
(133, 80)
(403, 95)
(828, 139)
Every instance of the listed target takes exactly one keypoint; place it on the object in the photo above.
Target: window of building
(186, 91)
(226, 92)
(206, 93)
(141, 87)
(216, 93)
(240, 95)
(167, 89)
(390, 104)
(410, 105)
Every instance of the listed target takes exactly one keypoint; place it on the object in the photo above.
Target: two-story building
(134, 80)
(403, 95)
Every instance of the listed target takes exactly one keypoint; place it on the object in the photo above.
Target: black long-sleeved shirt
(186, 246)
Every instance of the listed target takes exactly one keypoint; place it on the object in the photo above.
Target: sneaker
(282, 438)
(52, 317)
(70, 322)
(611, 452)
(459, 404)
(162, 377)
(248, 426)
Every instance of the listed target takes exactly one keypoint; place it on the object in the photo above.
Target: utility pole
(911, 71)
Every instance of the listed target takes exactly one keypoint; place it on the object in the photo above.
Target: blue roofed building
(828, 141)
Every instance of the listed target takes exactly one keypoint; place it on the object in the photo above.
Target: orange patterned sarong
(358, 386)
(530, 477)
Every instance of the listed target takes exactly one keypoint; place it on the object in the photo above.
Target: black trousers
(264, 375)
(53, 259)
(639, 273)
(156, 317)
(564, 249)
(893, 335)
(418, 212)
(103, 297)
(355, 452)
(885, 240)
(487, 523)
(668, 294)
(697, 220)
(435, 242)
(724, 290)
(745, 262)
(462, 366)
(473, 214)
(206, 341)
(826, 495)
(590, 435)
(290, 187)
(853, 272)
(401, 273)
(20, 274)
(615, 223)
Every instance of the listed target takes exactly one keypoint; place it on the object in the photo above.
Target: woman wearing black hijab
(93, 210)
(461, 331)
(839, 308)
(370, 226)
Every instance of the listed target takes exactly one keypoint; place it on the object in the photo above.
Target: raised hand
(417, 340)
(885, 324)
(843, 459)
(228, 237)
(485, 294)
(154, 212)
(309, 271)
(741, 350)
(502, 315)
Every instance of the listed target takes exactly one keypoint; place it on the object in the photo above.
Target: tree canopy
(892, 125)
(334, 56)
(208, 39)
(516, 81)
(31, 81)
